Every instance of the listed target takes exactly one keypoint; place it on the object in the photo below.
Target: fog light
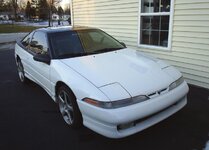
(125, 126)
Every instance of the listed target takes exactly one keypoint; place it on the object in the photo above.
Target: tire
(69, 107)
(21, 72)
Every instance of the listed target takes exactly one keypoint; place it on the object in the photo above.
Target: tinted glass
(64, 43)
(38, 43)
(96, 40)
(26, 40)
(83, 42)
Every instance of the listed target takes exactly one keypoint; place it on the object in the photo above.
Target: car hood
(134, 71)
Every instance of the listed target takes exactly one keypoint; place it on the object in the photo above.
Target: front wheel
(21, 72)
(68, 107)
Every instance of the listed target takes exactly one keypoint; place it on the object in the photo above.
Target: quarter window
(26, 40)
(38, 43)
(155, 23)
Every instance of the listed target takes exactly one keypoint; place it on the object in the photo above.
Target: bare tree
(28, 10)
(15, 7)
(43, 8)
(52, 3)
(1, 5)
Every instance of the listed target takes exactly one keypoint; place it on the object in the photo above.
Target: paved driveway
(30, 120)
(11, 37)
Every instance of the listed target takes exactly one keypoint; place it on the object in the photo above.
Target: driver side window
(26, 41)
(38, 43)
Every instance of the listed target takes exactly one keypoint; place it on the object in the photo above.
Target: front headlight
(116, 104)
(176, 83)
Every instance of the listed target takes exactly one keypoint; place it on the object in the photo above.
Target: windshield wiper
(106, 50)
(72, 55)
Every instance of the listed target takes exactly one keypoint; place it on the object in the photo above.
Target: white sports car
(99, 82)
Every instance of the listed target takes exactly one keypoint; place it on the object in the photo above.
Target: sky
(65, 3)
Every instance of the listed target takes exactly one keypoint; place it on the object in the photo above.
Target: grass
(9, 28)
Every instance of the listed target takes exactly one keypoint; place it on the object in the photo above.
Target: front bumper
(144, 114)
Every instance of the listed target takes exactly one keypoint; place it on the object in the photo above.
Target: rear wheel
(21, 72)
(68, 107)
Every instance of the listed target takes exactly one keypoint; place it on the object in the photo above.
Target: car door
(40, 71)
(23, 52)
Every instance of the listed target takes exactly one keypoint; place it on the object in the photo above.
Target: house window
(155, 23)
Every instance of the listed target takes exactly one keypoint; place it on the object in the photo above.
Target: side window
(26, 41)
(38, 43)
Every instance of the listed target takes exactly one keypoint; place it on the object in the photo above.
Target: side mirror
(123, 44)
(42, 58)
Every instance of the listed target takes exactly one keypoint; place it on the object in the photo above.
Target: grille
(157, 93)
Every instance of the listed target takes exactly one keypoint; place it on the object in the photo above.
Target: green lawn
(8, 28)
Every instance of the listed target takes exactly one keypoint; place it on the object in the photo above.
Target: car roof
(63, 28)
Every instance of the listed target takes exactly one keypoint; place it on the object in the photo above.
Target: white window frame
(71, 13)
(171, 14)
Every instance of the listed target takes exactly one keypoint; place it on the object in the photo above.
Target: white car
(99, 82)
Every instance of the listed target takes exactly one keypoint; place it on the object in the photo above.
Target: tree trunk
(14, 4)
(49, 16)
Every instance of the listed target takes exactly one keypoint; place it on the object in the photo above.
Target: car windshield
(68, 44)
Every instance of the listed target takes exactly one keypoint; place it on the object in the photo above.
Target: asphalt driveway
(30, 120)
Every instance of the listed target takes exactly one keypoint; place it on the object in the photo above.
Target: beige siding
(190, 37)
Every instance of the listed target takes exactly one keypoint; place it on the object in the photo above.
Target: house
(176, 31)
(65, 17)
(55, 17)
(4, 16)
(21, 16)
(10, 16)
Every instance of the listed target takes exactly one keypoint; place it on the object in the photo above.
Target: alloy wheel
(66, 107)
(20, 71)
